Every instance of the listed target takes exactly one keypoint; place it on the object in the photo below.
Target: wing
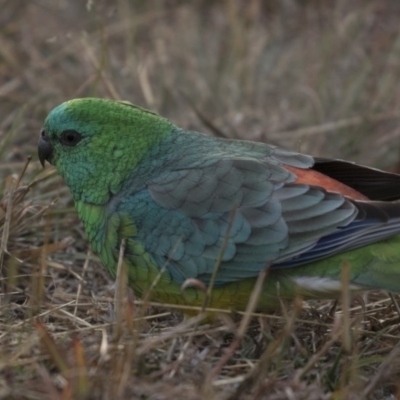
(255, 203)
(374, 183)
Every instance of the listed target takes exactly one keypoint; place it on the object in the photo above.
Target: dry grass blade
(320, 78)
(7, 221)
(244, 324)
(385, 369)
(120, 292)
(346, 307)
(82, 386)
(56, 354)
(220, 256)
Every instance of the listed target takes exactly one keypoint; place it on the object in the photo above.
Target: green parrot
(186, 203)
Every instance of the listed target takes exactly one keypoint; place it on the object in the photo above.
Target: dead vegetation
(316, 76)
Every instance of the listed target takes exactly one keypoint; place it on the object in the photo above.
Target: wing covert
(275, 219)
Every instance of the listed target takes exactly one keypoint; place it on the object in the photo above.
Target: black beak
(45, 148)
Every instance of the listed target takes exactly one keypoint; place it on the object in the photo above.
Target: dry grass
(317, 76)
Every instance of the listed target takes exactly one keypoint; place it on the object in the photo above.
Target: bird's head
(96, 144)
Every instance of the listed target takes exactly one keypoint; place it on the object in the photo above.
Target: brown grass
(316, 76)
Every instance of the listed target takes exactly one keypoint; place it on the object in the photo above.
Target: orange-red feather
(315, 178)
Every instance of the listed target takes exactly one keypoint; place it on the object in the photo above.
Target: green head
(95, 144)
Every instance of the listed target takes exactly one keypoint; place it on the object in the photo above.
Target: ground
(319, 77)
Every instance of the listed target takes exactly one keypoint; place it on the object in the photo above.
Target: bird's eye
(70, 137)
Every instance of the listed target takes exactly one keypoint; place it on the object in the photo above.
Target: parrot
(199, 212)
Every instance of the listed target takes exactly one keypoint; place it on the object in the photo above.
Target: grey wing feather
(275, 219)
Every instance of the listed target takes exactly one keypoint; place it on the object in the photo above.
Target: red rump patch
(315, 178)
